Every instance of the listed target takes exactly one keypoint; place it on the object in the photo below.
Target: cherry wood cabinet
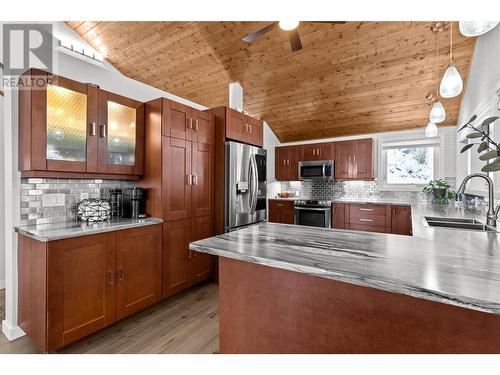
(181, 266)
(73, 287)
(286, 161)
(317, 151)
(71, 129)
(401, 220)
(138, 269)
(395, 219)
(238, 126)
(354, 159)
(281, 211)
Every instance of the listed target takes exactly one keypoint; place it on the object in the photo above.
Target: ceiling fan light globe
(476, 28)
(288, 25)
(451, 84)
(431, 130)
(438, 113)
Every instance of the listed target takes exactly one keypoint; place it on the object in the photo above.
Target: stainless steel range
(313, 213)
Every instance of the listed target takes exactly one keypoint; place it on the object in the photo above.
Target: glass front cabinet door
(121, 134)
(69, 126)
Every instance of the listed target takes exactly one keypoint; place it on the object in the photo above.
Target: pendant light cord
(451, 42)
(437, 68)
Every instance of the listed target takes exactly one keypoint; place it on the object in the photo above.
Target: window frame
(435, 142)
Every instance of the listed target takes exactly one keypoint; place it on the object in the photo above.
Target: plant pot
(439, 193)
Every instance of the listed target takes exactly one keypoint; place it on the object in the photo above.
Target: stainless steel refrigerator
(245, 185)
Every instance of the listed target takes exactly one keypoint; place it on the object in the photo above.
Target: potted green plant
(440, 191)
(486, 145)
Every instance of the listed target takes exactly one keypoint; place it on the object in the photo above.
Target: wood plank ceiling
(349, 79)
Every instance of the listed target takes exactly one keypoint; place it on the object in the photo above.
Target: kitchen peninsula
(297, 289)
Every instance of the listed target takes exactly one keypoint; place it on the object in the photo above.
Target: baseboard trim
(11, 332)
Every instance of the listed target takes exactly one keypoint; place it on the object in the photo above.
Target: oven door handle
(314, 208)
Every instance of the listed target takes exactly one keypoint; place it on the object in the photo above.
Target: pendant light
(288, 25)
(476, 28)
(431, 130)
(438, 113)
(451, 84)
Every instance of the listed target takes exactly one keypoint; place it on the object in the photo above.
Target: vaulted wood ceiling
(354, 78)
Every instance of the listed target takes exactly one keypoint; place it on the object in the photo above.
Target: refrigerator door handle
(255, 184)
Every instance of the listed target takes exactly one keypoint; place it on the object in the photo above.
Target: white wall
(270, 143)
(480, 96)
(72, 67)
(2, 199)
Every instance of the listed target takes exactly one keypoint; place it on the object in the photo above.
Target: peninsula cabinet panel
(176, 236)
(80, 288)
(201, 264)
(70, 129)
(138, 269)
(176, 179)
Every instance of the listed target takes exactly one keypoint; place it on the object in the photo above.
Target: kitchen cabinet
(181, 266)
(338, 215)
(286, 161)
(354, 159)
(188, 181)
(281, 211)
(238, 126)
(368, 217)
(72, 287)
(71, 129)
(401, 220)
(316, 151)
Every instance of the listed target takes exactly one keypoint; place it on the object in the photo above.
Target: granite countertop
(457, 267)
(58, 231)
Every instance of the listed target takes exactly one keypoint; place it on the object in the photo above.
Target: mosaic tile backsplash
(328, 190)
(49, 200)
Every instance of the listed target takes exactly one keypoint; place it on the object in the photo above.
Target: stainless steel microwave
(317, 170)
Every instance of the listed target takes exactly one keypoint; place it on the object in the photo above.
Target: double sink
(458, 223)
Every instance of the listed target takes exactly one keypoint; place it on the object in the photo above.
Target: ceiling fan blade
(295, 40)
(251, 37)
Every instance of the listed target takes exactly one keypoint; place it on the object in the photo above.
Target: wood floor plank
(185, 323)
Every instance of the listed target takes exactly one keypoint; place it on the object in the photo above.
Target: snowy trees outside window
(412, 165)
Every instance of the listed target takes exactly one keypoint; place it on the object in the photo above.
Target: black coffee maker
(134, 203)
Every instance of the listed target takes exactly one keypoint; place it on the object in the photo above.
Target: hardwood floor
(185, 323)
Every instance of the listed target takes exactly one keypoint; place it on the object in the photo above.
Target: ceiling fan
(290, 26)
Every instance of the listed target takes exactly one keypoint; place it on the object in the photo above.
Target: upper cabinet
(239, 126)
(354, 159)
(286, 166)
(67, 128)
(317, 151)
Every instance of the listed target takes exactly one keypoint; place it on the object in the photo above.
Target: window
(408, 165)
(413, 165)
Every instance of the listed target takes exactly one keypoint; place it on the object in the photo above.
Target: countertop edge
(89, 232)
(347, 278)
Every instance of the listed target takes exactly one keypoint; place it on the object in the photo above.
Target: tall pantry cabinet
(179, 176)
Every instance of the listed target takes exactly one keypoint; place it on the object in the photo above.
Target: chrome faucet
(492, 214)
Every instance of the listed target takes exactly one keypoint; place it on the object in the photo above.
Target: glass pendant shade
(451, 84)
(438, 113)
(431, 130)
(476, 28)
(288, 24)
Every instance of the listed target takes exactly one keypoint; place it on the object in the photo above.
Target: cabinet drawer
(280, 204)
(368, 228)
(367, 219)
(367, 209)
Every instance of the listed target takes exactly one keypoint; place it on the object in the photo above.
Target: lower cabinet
(182, 267)
(395, 219)
(281, 211)
(73, 287)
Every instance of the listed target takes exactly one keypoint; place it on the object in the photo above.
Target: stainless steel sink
(458, 223)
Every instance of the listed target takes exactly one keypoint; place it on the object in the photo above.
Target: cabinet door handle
(314, 151)
(366, 209)
(190, 123)
(354, 159)
(288, 162)
(92, 129)
(284, 161)
(111, 277)
(250, 127)
(196, 125)
(195, 179)
(121, 274)
(102, 131)
(318, 151)
(188, 179)
(365, 220)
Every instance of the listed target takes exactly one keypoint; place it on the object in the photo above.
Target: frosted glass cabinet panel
(66, 124)
(121, 134)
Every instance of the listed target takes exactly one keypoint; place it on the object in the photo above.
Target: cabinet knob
(102, 131)
(92, 128)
